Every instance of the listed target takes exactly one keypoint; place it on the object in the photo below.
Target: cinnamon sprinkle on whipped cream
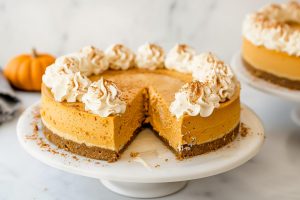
(179, 58)
(208, 67)
(276, 27)
(64, 86)
(150, 56)
(195, 98)
(213, 80)
(95, 61)
(119, 57)
(103, 98)
(69, 63)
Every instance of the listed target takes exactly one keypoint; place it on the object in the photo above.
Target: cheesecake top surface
(194, 84)
(275, 26)
(132, 82)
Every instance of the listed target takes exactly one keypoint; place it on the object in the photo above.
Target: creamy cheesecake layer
(163, 122)
(277, 63)
(167, 82)
(190, 130)
(70, 121)
(148, 95)
(198, 130)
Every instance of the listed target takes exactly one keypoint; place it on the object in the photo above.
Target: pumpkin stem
(34, 53)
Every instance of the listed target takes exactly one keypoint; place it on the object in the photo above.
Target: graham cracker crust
(284, 82)
(112, 156)
(194, 150)
(84, 150)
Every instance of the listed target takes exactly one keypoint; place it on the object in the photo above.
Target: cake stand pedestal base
(295, 115)
(144, 190)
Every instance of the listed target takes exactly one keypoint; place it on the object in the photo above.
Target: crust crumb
(75, 158)
(134, 154)
(244, 130)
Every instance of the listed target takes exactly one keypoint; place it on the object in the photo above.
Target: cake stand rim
(260, 84)
(148, 179)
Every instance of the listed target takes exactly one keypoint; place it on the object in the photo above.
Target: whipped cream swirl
(88, 61)
(119, 57)
(195, 98)
(214, 82)
(276, 27)
(94, 61)
(150, 56)
(103, 98)
(208, 67)
(70, 63)
(65, 85)
(67, 77)
(179, 58)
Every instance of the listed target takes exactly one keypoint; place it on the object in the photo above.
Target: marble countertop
(207, 25)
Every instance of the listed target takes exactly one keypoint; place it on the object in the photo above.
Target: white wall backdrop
(61, 26)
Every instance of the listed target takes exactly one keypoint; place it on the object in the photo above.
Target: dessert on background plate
(271, 44)
(95, 102)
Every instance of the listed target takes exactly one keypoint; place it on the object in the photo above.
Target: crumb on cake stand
(145, 171)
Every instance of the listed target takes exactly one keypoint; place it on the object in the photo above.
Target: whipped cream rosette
(103, 98)
(150, 56)
(179, 58)
(119, 57)
(276, 27)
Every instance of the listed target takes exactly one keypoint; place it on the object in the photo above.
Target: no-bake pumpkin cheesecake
(94, 102)
(271, 44)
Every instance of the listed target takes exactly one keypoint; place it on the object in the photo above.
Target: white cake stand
(155, 172)
(265, 86)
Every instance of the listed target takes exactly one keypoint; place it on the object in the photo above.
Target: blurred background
(63, 26)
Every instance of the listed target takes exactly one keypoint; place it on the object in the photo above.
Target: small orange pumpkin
(25, 71)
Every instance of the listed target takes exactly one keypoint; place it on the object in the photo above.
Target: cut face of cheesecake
(271, 65)
(148, 95)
